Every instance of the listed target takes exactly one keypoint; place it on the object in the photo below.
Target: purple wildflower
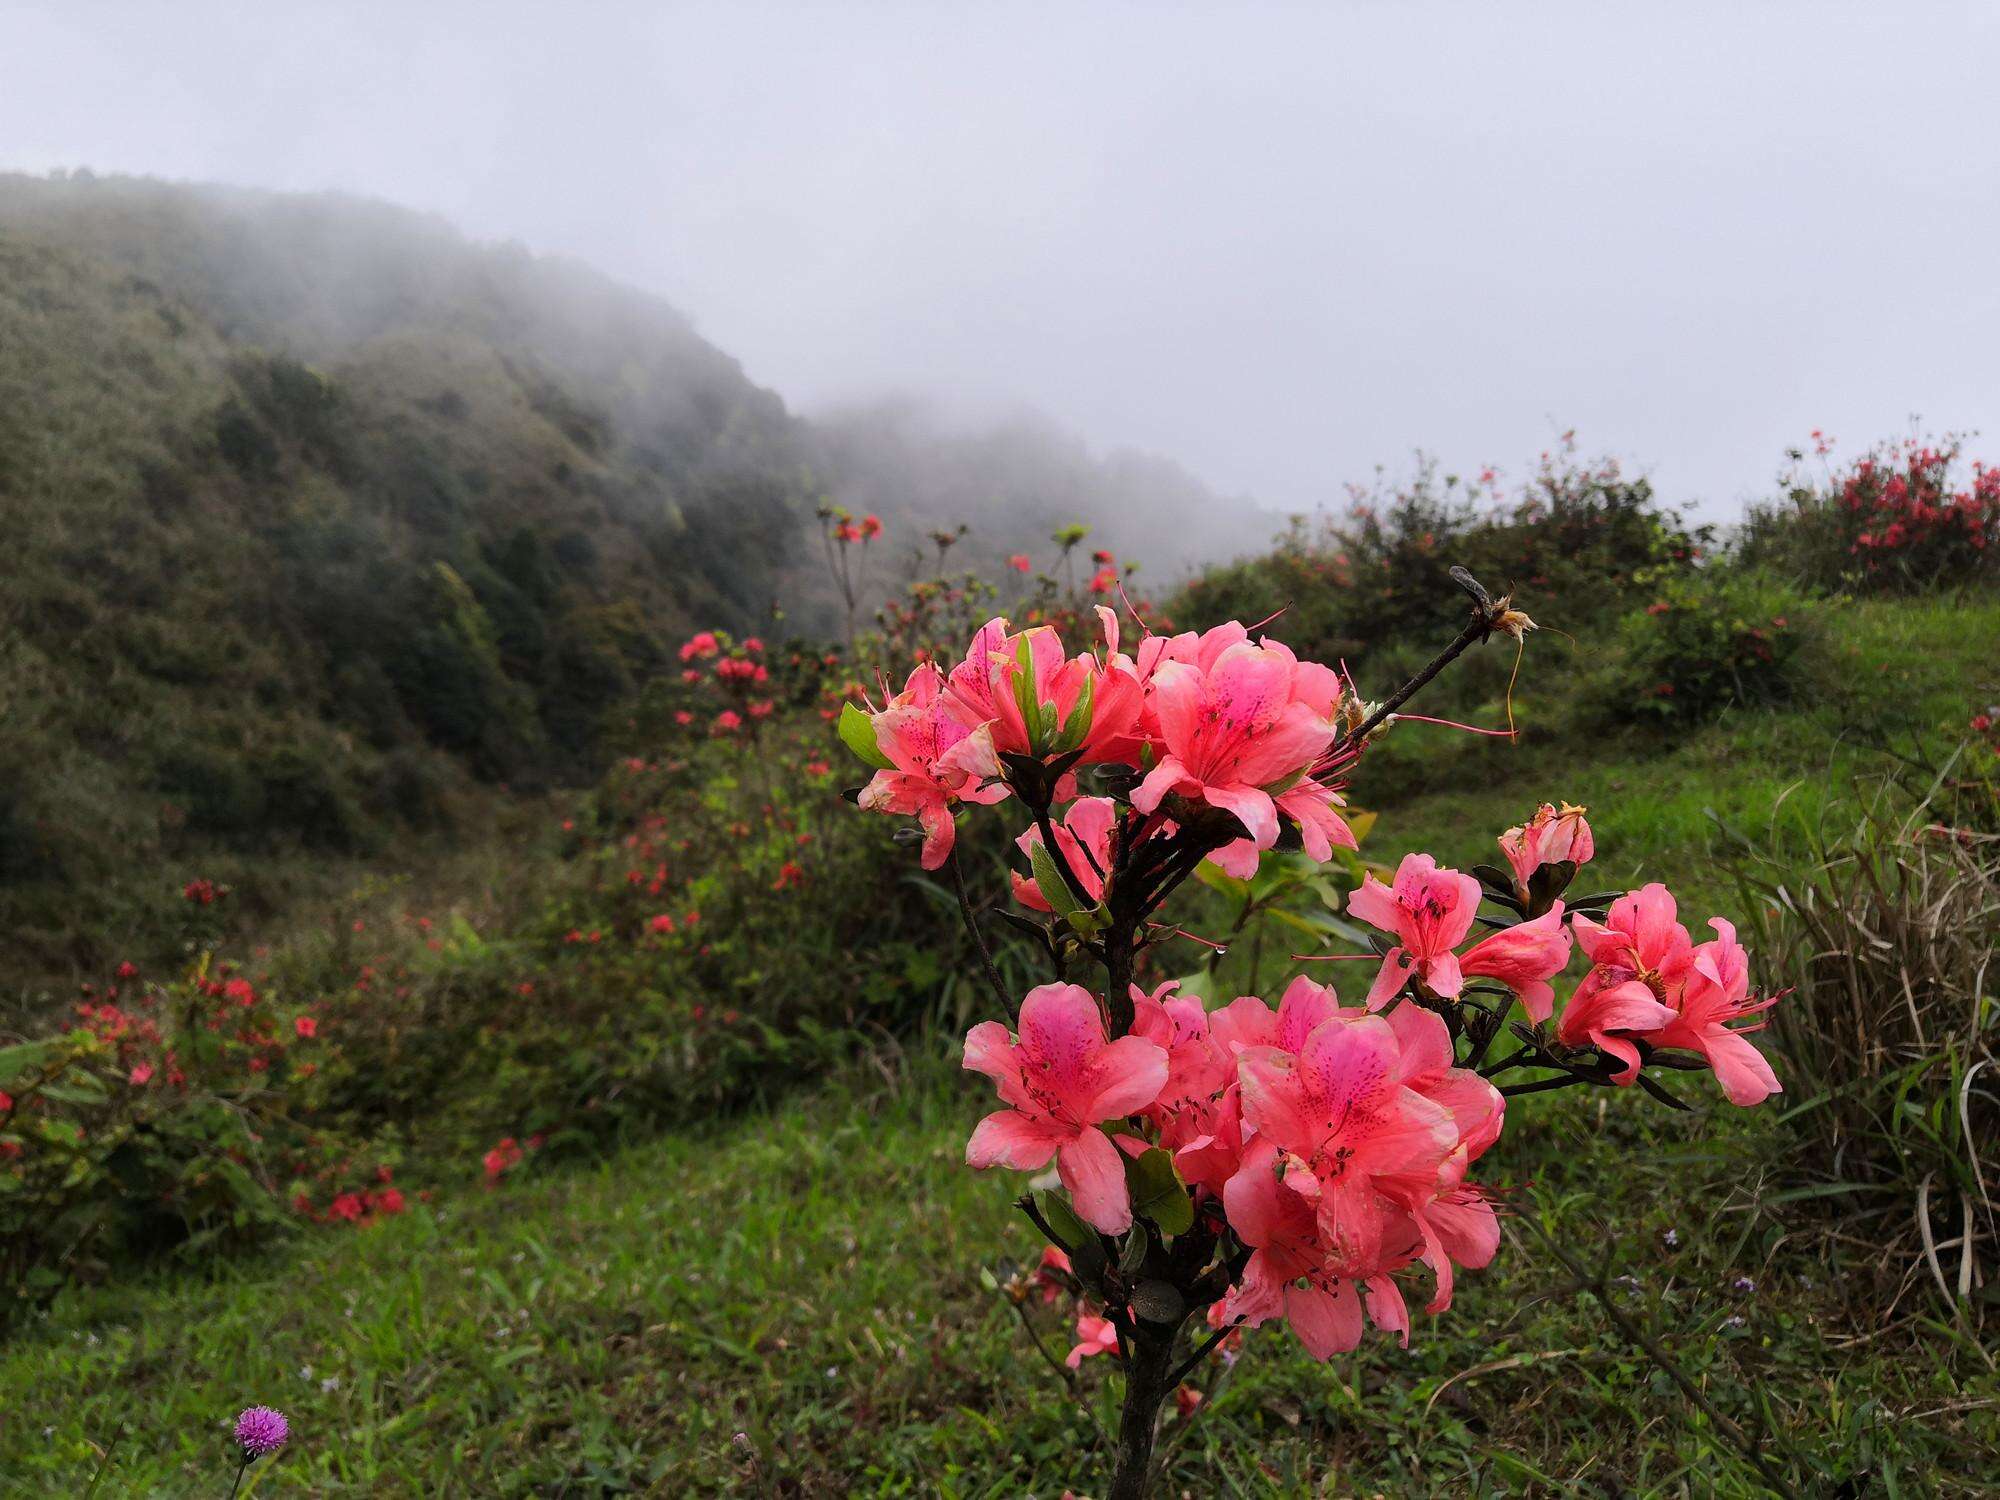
(261, 1430)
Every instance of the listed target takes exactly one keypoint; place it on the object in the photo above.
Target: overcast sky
(1281, 244)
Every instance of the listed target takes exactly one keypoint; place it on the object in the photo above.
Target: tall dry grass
(1888, 935)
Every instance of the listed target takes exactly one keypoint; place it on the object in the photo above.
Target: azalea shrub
(712, 933)
(1904, 516)
(1207, 1167)
(167, 1115)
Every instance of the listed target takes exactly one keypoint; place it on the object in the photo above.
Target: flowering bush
(1582, 533)
(1900, 517)
(1306, 1162)
(164, 1115)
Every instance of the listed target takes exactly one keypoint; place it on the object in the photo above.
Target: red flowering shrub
(1902, 517)
(163, 1115)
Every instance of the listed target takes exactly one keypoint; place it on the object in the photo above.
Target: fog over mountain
(1275, 244)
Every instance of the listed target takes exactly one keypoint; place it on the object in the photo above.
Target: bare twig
(1486, 616)
(1063, 1372)
(978, 938)
(1201, 1352)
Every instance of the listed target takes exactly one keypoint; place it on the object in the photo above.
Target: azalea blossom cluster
(739, 674)
(1906, 501)
(1333, 1142)
(1254, 1162)
(1243, 728)
(1904, 514)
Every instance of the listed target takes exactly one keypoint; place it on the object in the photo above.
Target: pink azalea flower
(1249, 1021)
(1639, 956)
(1050, 1274)
(1084, 839)
(1291, 1273)
(1312, 805)
(1426, 1064)
(1060, 1080)
(1342, 1118)
(1206, 1139)
(1524, 957)
(1651, 984)
(1548, 838)
(1429, 911)
(1716, 993)
(1454, 1220)
(981, 688)
(1239, 724)
(1196, 1070)
(1094, 1336)
(936, 761)
(1122, 732)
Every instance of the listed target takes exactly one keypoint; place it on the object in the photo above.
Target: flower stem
(1485, 618)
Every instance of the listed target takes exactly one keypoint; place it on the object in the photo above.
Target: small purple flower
(1743, 1286)
(1671, 1239)
(261, 1430)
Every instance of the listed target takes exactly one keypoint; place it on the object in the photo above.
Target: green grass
(1887, 672)
(810, 1278)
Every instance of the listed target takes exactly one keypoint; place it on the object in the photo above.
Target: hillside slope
(262, 604)
(323, 518)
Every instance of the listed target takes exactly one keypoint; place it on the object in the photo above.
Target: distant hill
(320, 515)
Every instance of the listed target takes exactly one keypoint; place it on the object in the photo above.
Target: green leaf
(1087, 922)
(17, 1060)
(1216, 880)
(1077, 726)
(1158, 1193)
(1024, 694)
(1323, 925)
(857, 732)
(1055, 890)
(1133, 1253)
(80, 1088)
(1071, 1230)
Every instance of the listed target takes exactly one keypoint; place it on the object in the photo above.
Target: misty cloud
(1279, 245)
